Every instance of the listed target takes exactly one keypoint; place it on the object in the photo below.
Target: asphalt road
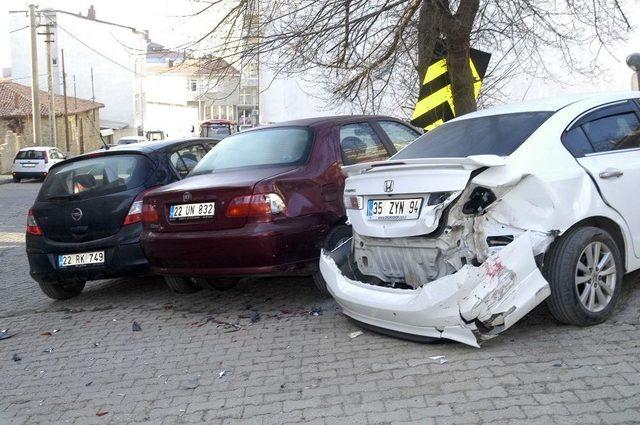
(199, 358)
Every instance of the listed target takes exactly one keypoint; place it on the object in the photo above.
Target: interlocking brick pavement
(289, 367)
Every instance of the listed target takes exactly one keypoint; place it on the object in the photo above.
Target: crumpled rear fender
(470, 306)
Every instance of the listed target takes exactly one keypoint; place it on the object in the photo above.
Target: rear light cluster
(353, 202)
(32, 225)
(136, 211)
(259, 205)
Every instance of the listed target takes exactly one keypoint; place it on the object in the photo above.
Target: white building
(113, 53)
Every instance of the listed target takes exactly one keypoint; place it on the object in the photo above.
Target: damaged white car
(471, 226)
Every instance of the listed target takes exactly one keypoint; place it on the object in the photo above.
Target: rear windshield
(96, 176)
(270, 146)
(30, 155)
(491, 135)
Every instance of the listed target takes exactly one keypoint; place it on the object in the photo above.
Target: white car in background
(127, 140)
(34, 162)
(470, 227)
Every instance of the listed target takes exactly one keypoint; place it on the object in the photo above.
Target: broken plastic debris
(192, 382)
(355, 334)
(88, 384)
(56, 331)
(16, 358)
(252, 315)
(46, 334)
(4, 334)
(441, 359)
(222, 373)
(135, 327)
(48, 350)
(101, 413)
(317, 311)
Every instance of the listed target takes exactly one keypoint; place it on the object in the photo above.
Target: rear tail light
(352, 202)
(135, 214)
(46, 157)
(32, 225)
(260, 205)
(150, 214)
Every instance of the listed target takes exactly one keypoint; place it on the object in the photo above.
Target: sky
(167, 24)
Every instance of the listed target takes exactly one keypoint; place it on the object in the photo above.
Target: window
(276, 146)
(489, 135)
(31, 154)
(359, 143)
(614, 132)
(399, 134)
(55, 154)
(96, 176)
(577, 142)
(192, 85)
(183, 160)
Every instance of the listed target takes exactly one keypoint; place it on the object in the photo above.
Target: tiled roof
(15, 101)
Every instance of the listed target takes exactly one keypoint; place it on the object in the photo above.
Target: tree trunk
(428, 33)
(464, 100)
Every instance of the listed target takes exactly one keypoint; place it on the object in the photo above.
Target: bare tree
(363, 50)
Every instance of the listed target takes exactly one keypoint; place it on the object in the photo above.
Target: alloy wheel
(595, 276)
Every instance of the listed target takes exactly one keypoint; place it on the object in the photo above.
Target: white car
(467, 229)
(34, 162)
(127, 140)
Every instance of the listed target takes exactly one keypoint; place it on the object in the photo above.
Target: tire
(218, 284)
(568, 279)
(335, 237)
(16, 179)
(62, 290)
(182, 285)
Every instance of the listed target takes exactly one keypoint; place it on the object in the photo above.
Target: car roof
(152, 146)
(552, 104)
(38, 148)
(334, 119)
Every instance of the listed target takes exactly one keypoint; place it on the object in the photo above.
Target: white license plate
(81, 259)
(394, 209)
(28, 165)
(199, 210)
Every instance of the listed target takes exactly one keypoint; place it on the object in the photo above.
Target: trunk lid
(435, 182)
(220, 188)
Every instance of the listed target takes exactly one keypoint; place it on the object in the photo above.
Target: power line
(19, 29)
(99, 53)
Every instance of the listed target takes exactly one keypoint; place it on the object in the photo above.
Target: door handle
(610, 173)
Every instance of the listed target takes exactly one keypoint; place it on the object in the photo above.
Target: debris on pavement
(4, 334)
(16, 358)
(48, 350)
(355, 334)
(101, 413)
(46, 334)
(317, 311)
(191, 383)
(251, 314)
(222, 373)
(441, 359)
(88, 384)
(135, 327)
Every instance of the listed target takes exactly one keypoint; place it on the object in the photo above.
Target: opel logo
(186, 197)
(76, 214)
(388, 185)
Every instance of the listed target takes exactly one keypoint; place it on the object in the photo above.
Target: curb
(5, 181)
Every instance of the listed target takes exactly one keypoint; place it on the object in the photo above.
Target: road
(199, 358)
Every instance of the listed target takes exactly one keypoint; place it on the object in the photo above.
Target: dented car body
(463, 246)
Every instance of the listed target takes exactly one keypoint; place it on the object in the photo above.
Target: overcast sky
(167, 25)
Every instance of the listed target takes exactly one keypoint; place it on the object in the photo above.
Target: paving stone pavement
(290, 366)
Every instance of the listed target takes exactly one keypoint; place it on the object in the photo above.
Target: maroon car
(263, 201)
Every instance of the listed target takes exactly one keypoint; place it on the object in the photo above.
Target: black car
(86, 221)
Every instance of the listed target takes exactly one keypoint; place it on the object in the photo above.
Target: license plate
(28, 165)
(81, 259)
(394, 209)
(185, 211)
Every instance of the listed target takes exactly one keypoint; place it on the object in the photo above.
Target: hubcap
(595, 276)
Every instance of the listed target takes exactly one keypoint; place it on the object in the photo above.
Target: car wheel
(335, 237)
(16, 179)
(63, 289)
(182, 285)
(219, 284)
(584, 270)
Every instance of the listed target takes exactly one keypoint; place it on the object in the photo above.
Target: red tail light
(260, 205)
(32, 225)
(135, 211)
(150, 214)
(46, 157)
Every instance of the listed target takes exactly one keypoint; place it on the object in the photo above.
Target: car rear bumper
(285, 247)
(469, 306)
(29, 174)
(123, 257)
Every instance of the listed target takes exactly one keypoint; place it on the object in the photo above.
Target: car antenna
(97, 129)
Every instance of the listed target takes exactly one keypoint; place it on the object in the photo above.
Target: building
(180, 95)
(103, 60)
(16, 123)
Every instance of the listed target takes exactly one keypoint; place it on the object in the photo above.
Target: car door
(399, 134)
(613, 158)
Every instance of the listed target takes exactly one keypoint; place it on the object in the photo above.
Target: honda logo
(388, 185)
(76, 214)
(186, 197)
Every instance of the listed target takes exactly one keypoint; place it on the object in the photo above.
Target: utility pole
(93, 94)
(75, 97)
(66, 111)
(53, 137)
(35, 90)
